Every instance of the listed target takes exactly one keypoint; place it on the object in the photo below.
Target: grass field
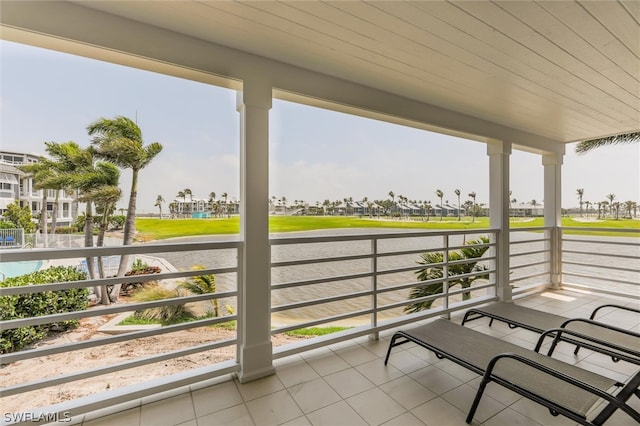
(159, 229)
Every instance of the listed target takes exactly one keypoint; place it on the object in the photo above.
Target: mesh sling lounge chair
(616, 342)
(563, 388)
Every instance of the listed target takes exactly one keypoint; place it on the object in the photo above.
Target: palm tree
(119, 141)
(42, 173)
(469, 256)
(580, 193)
(204, 284)
(188, 192)
(611, 197)
(226, 207)
(440, 195)
(212, 201)
(158, 204)
(457, 192)
(393, 201)
(589, 145)
(472, 195)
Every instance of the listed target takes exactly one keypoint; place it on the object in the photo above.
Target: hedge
(38, 304)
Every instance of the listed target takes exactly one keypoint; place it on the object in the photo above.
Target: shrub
(138, 268)
(66, 230)
(38, 304)
(168, 314)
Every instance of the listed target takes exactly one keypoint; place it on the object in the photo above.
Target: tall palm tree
(472, 195)
(158, 204)
(611, 197)
(589, 145)
(226, 207)
(42, 174)
(457, 192)
(534, 204)
(119, 140)
(188, 192)
(580, 192)
(440, 195)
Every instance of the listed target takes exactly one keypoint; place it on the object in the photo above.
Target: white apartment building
(18, 185)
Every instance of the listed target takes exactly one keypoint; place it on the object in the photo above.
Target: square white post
(254, 333)
(499, 152)
(553, 215)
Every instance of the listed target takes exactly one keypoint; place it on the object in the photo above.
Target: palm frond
(591, 144)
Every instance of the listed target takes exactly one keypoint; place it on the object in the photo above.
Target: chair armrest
(626, 308)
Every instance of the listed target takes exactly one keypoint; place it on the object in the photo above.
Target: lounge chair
(616, 342)
(563, 388)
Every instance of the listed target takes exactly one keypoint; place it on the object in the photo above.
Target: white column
(553, 215)
(254, 333)
(499, 152)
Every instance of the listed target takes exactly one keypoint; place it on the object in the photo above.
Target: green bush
(168, 314)
(66, 230)
(39, 304)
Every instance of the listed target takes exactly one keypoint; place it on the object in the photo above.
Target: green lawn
(159, 229)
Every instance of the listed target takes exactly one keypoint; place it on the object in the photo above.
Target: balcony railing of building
(360, 281)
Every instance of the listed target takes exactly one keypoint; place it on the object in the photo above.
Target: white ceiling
(563, 70)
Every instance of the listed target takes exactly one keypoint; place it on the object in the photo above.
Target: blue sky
(314, 154)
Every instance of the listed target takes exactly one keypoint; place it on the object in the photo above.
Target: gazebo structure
(532, 76)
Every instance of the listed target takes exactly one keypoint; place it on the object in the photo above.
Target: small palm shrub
(167, 314)
(205, 284)
(468, 256)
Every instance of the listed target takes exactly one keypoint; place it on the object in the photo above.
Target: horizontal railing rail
(606, 260)
(228, 268)
(529, 258)
(364, 280)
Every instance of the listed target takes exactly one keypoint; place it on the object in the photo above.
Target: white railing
(364, 282)
(11, 238)
(361, 281)
(529, 259)
(606, 260)
(224, 266)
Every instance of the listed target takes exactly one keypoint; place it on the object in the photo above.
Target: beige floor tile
(378, 373)
(406, 419)
(296, 373)
(259, 388)
(338, 414)
(232, 416)
(348, 382)
(435, 379)
(462, 398)
(216, 398)
(313, 395)
(375, 406)
(406, 362)
(356, 355)
(328, 363)
(274, 409)
(298, 421)
(439, 412)
(407, 392)
(170, 411)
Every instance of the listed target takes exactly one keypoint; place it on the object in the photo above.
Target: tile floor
(348, 384)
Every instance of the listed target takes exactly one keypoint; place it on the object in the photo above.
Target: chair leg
(476, 400)
(392, 344)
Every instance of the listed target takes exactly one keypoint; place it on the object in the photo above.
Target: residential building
(16, 185)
